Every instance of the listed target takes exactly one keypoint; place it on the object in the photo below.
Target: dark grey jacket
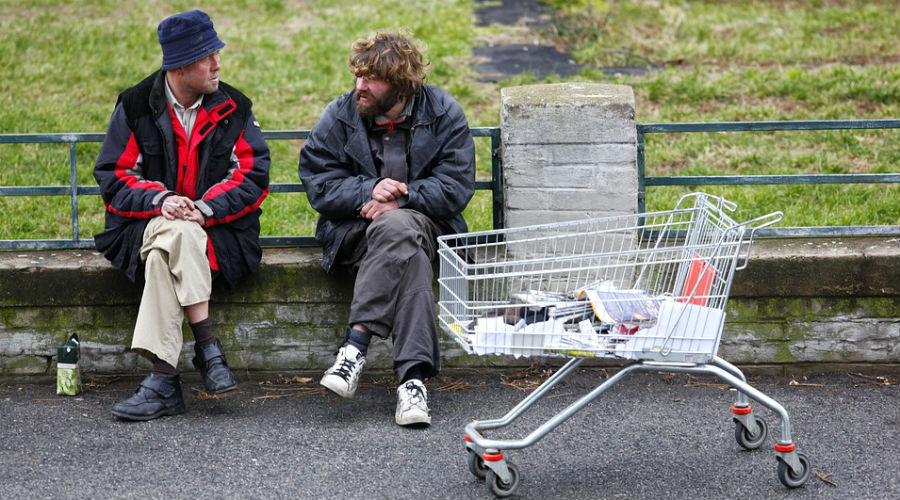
(337, 168)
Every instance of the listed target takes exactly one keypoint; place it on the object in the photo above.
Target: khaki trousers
(177, 275)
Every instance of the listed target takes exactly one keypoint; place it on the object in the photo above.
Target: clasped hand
(181, 207)
(384, 198)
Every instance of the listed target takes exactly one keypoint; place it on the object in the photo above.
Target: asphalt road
(652, 436)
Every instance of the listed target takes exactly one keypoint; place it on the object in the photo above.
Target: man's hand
(195, 215)
(389, 190)
(181, 207)
(374, 209)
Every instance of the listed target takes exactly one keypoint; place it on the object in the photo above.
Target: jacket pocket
(153, 159)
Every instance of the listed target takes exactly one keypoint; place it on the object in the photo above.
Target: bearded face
(374, 98)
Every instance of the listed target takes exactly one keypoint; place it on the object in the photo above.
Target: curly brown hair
(391, 58)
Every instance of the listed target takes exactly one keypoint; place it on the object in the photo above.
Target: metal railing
(756, 180)
(73, 190)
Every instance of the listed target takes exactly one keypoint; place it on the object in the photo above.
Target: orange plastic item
(699, 282)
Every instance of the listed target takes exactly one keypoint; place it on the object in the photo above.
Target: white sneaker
(412, 404)
(343, 376)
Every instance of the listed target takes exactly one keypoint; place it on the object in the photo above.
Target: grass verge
(65, 61)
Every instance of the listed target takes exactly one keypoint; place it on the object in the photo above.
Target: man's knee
(175, 236)
(393, 226)
(187, 229)
(157, 258)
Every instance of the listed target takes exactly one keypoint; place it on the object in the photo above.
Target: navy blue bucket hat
(187, 37)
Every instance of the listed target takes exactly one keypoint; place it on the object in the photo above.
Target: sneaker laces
(345, 369)
(415, 394)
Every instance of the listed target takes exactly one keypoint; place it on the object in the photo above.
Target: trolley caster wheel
(498, 487)
(748, 439)
(792, 479)
(476, 465)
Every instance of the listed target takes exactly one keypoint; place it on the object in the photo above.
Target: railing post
(641, 173)
(496, 179)
(73, 185)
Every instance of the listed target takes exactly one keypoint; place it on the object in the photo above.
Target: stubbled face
(374, 97)
(202, 75)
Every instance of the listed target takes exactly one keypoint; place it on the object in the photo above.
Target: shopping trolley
(649, 287)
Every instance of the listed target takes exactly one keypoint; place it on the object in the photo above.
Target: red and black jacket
(223, 167)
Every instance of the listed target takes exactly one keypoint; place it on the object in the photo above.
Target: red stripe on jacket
(244, 153)
(127, 160)
(144, 214)
(186, 182)
(211, 255)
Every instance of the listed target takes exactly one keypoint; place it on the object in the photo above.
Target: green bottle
(68, 378)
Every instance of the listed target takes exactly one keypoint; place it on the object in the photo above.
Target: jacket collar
(212, 103)
(425, 111)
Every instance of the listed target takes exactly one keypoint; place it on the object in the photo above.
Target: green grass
(290, 57)
(757, 60)
(64, 62)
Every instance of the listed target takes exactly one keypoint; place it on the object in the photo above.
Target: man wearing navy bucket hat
(182, 172)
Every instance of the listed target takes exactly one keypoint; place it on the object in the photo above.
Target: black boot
(210, 360)
(157, 396)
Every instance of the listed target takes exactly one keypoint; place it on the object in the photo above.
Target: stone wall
(799, 301)
(816, 301)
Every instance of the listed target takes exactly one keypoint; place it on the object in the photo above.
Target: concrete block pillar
(569, 152)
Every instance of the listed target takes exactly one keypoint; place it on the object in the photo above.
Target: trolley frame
(482, 272)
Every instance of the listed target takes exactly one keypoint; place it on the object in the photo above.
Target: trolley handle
(755, 225)
(719, 202)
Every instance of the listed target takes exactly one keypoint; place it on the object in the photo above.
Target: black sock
(416, 371)
(357, 339)
(203, 335)
(161, 367)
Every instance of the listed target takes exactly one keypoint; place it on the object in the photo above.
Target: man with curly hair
(389, 166)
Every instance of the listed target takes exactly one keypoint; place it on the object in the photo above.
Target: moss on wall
(292, 316)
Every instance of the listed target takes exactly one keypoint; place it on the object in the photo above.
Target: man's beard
(377, 106)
